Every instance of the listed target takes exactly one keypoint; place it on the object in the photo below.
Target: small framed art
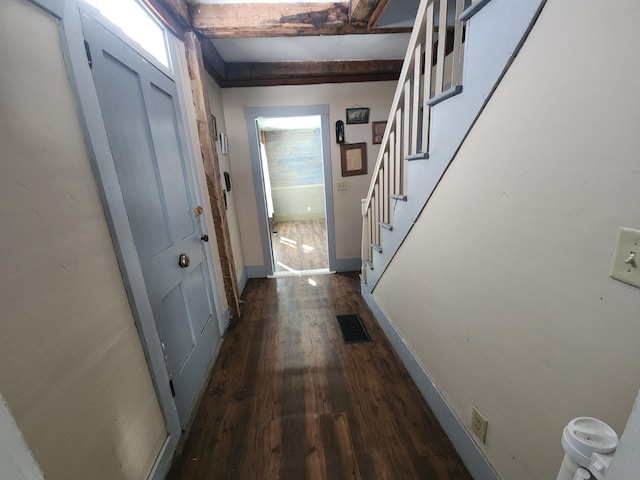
(357, 115)
(354, 159)
(377, 132)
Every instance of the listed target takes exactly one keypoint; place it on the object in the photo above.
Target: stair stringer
(493, 38)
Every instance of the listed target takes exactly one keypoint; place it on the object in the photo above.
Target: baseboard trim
(256, 271)
(242, 281)
(226, 317)
(471, 455)
(347, 265)
(164, 459)
(293, 217)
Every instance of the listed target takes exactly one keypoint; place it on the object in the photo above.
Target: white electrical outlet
(342, 186)
(479, 425)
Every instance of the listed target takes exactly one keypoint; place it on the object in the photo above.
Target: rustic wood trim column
(212, 170)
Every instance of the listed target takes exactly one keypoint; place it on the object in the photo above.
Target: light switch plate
(626, 259)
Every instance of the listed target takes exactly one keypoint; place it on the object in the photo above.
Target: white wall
(304, 202)
(348, 219)
(501, 289)
(72, 369)
(626, 462)
(217, 110)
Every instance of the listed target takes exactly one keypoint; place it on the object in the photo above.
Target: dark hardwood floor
(299, 245)
(289, 400)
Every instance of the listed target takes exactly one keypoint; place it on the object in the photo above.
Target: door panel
(164, 129)
(181, 342)
(197, 298)
(122, 105)
(139, 105)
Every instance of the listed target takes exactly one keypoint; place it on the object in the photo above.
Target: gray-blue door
(139, 108)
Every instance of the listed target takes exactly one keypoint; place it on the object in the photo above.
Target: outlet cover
(479, 425)
(626, 259)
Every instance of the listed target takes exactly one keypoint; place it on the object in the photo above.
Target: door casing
(251, 114)
(111, 195)
(140, 108)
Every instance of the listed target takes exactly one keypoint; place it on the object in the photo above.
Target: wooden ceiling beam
(214, 64)
(243, 74)
(277, 20)
(377, 12)
(290, 19)
(361, 10)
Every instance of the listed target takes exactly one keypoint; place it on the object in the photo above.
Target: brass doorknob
(184, 260)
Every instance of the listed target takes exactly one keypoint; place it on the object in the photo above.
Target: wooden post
(212, 170)
(398, 155)
(426, 89)
(415, 106)
(442, 41)
(456, 70)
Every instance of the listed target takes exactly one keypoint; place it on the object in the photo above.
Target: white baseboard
(347, 264)
(242, 281)
(165, 458)
(256, 271)
(471, 455)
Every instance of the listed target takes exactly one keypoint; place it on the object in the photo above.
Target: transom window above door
(138, 24)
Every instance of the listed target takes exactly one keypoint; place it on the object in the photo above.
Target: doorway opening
(294, 187)
(272, 214)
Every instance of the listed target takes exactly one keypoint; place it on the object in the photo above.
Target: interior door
(139, 107)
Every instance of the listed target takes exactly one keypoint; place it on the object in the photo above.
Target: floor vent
(352, 329)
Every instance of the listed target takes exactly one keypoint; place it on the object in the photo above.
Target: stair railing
(406, 136)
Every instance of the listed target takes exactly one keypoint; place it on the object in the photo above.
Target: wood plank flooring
(300, 245)
(288, 400)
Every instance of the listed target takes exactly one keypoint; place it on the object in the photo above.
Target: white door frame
(251, 114)
(69, 13)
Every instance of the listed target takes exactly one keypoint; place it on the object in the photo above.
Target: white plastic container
(589, 445)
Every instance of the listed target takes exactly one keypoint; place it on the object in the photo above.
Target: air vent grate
(352, 329)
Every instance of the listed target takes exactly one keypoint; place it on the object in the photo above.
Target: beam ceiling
(280, 19)
(241, 20)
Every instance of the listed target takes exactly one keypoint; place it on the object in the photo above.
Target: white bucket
(581, 439)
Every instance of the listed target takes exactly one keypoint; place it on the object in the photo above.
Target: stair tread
(376, 247)
(474, 8)
(386, 226)
(417, 156)
(441, 97)
(402, 198)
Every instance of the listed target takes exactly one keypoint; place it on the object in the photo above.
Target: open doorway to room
(293, 176)
(291, 162)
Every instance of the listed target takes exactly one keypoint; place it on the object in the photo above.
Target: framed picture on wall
(357, 115)
(377, 132)
(353, 157)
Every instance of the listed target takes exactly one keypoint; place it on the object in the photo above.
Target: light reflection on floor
(299, 246)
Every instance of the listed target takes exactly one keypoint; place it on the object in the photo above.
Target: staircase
(448, 76)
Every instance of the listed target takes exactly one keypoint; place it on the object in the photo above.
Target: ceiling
(385, 46)
(271, 42)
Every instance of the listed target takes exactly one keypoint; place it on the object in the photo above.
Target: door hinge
(173, 389)
(88, 50)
